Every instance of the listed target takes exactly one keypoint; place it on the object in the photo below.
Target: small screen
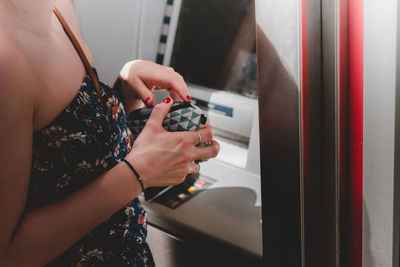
(214, 45)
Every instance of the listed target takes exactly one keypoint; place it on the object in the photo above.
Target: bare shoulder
(67, 10)
(8, 55)
(14, 74)
(16, 81)
(65, 5)
(17, 84)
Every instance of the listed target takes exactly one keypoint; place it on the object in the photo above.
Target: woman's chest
(81, 143)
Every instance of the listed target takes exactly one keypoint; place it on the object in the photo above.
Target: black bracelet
(135, 172)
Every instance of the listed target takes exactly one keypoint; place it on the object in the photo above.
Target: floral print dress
(84, 141)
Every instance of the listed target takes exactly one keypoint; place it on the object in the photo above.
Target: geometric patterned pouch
(183, 116)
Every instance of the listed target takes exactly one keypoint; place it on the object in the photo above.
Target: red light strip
(356, 76)
(304, 93)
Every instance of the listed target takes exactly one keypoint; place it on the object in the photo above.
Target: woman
(66, 196)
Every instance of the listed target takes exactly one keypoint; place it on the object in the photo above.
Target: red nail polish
(147, 101)
(188, 98)
(167, 100)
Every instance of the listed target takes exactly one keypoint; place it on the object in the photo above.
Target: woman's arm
(35, 238)
(45, 233)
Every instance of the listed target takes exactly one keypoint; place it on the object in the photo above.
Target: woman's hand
(165, 158)
(139, 78)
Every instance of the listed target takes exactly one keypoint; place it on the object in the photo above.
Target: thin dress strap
(80, 52)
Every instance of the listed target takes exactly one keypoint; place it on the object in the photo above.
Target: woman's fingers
(206, 134)
(194, 168)
(175, 96)
(200, 136)
(207, 152)
(167, 78)
(143, 92)
(159, 112)
(178, 89)
(144, 76)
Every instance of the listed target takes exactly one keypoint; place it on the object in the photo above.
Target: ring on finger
(199, 136)
(197, 168)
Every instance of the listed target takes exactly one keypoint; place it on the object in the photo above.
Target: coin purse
(183, 116)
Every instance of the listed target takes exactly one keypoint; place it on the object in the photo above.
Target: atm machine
(308, 173)
(215, 219)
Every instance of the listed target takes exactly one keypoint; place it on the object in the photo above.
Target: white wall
(119, 31)
(379, 121)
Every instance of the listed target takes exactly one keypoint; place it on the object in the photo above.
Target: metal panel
(396, 204)
(167, 249)
(279, 81)
(342, 158)
(335, 62)
(330, 63)
(343, 124)
(379, 123)
(312, 136)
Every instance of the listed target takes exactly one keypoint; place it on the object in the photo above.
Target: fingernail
(147, 101)
(188, 98)
(167, 100)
